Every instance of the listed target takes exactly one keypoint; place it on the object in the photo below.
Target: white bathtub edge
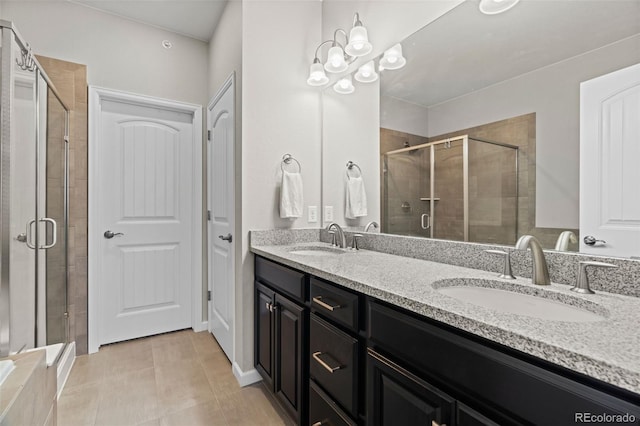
(64, 366)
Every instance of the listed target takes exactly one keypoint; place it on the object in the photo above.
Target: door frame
(96, 96)
(229, 84)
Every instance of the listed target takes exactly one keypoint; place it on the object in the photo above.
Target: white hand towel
(291, 195)
(356, 198)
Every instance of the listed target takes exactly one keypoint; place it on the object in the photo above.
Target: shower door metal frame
(8, 60)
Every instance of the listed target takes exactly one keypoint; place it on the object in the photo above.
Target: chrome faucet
(370, 224)
(343, 241)
(566, 237)
(540, 271)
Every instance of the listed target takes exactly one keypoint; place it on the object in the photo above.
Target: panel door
(397, 397)
(264, 333)
(609, 158)
(145, 217)
(221, 125)
(290, 324)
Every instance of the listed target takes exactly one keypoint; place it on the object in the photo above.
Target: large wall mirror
(477, 137)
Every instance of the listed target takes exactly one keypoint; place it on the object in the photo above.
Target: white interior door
(609, 163)
(221, 130)
(142, 214)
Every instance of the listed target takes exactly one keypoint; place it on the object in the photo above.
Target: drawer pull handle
(434, 423)
(330, 369)
(317, 424)
(318, 300)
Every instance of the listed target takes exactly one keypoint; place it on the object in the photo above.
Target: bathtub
(64, 356)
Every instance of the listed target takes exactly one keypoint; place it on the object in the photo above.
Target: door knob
(590, 240)
(22, 238)
(228, 237)
(109, 234)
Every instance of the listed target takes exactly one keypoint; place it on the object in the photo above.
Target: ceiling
(465, 51)
(193, 18)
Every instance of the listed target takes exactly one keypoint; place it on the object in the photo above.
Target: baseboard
(246, 378)
(202, 326)
(65, 363)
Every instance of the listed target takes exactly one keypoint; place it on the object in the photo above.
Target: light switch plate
(313, 214)
(328, 213)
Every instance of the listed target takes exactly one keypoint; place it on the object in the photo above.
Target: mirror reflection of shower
(460, 188)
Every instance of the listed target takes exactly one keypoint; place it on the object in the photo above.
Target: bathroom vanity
(362, 337)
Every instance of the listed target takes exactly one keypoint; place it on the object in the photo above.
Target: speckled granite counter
(608, 350)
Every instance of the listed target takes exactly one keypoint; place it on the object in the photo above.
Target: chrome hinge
(208, 135)
(208, 214)
(209, 295)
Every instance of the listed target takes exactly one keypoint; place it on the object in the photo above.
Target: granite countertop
(607, 350)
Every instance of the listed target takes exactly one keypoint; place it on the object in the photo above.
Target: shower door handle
(27, 240)
(54, 226)
(426, 224)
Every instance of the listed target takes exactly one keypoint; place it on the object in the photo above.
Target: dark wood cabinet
(281, 333)
(396, 396)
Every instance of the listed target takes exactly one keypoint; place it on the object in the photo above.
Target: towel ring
(350, 166)
(287, 159)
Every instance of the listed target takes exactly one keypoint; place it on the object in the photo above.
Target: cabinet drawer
(488, 377)
(333, 363)
(281, 278)
(335, 303)
(323, 411)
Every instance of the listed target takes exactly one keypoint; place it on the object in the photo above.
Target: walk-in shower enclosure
(460, 189)
(33, 201)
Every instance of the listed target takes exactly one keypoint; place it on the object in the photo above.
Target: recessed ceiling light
(167, 44)
(493, 7)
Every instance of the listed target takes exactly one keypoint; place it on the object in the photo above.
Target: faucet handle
(354, 241)
(506, 269)
(583, 278)
(334, 241)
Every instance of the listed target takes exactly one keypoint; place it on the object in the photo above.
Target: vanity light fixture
(392, 58)
(339, 57)
(344, 86)
(358, 44)
(367, 73)
(493, 7)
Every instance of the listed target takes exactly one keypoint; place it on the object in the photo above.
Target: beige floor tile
(128, 399)
(78, 406)
(168, 351)
(87, 369)
(127, 358)
(209, 414)
(182, 385)
(204, 344)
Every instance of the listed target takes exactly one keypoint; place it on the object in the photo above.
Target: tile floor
(179, 378)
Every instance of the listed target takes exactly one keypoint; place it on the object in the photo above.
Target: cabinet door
(264, 333)
(397, 397)
(291, 322)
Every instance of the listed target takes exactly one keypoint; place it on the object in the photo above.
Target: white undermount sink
(509, 298)
(316, 251)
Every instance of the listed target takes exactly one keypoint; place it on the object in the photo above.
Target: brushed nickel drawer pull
(318, 300)
(330, 369)
(317, 424)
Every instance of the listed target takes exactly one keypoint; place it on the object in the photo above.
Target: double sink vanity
(348, 336)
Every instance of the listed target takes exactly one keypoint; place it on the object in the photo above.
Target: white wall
(119, 54)
(402, 116)
(553, 93)
(280, 114)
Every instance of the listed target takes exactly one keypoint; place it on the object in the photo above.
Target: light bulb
(344, 86)
(367, 73)
(317, 77)
(392, 58)
(358, 42)
(335, 60)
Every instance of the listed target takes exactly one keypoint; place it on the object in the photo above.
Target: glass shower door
(22, 207)
(406, 182)
(448, 211)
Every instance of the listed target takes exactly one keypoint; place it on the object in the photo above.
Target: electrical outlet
(328, 213)
(313, 214)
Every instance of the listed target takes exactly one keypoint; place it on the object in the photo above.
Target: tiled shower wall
(70, 80)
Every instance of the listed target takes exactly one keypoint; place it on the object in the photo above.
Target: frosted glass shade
(367, 73)
(493, 7)
(358, 42)
(344, 86)
(335, 61)
(317, 77)
(392, 58)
